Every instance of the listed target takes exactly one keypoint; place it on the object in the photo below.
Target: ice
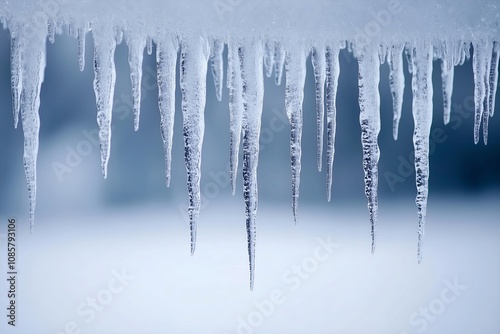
(279, 61)
(235, 86)
(369, 118)
(16, 64)
(269, 58)
(332, 77)
(319, 65)
(218, 66)
(447, 75)
(397, 83)
(166, 58)
(493, 77)
(195, 52)
(481, 67)
(251, 59)
(295, 64)
(422, 116)
(104, 85)
(135, 57)
(82, 33)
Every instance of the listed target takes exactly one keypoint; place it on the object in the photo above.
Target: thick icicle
(332, 78)
(32, 77)
(235, 86)
(251, 60)
(269, 58)
(279, 61)
(493, 77)
(318, 62)
(82, 33)
(295, 65)
(397, 84)
(136, 47)
(16, 67)
(217, 67)
(447, 75)
(369, 118)
(422, 116)
(104, 86)
(166, 62)
(195, 52)
(481, 66)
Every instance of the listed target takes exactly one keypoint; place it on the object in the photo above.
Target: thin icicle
(383, 52)
(409, 61)
(82, 33)
(16, 60)
(32, 77)
(481, 63)
(217, 67)
(295, 65)
(279, 61)
(194, 63)
(493, 77)
(447, 75)
(250, 58)
(135, 58)
(397, 84)
(332, 78)
(149, 45)
(369, 118)
(51, 31)
(318, 62)
(422, 116)
(235, 86)
(104, 86)
(269, 58)
(166, 61)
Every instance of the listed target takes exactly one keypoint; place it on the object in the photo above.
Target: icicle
(118, 35)
(382, 53)
(82, 33)
(369, 118)
(332, 77)
(493, 77)
(447, 85)
(279, 62)
(408, 58)
(135, 58)
(235, 86)
(149, 45)
(397, 83)
(318, 62)
(481, 63)
(250, 58)
(51, 31)
(422, 116)
(166, 60)
(32, 77)
(194, 62)
(218, 67)
(104, 85)
(295, 65)
(269, 58)
(16, 59)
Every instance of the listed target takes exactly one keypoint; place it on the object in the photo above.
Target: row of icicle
(247, 62)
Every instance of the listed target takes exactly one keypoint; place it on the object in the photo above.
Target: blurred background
(88, 228)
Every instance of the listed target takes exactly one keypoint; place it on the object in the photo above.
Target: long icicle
(217, 67)
(295, 65)
(480, 65)
(166, 63)
(318, 61)
(369, 118)
(422, 116)
(33, 75)
(494, 77)
(332, 78)
(136, 48)
(235, 108)
(251, 60)
(195, 52)
(104, 86)
(397, 84)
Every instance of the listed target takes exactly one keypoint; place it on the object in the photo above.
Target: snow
(260, 38)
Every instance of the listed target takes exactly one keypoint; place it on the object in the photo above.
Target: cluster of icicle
(248, 60)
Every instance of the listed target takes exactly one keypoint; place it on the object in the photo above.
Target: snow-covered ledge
(261, 36)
